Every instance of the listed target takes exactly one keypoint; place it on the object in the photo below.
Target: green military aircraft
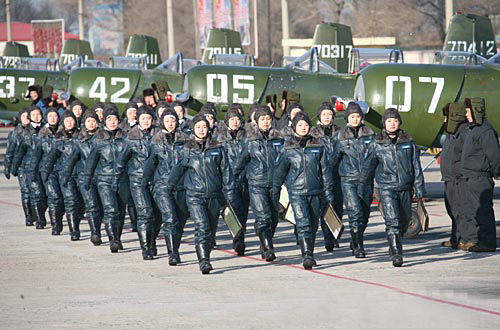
(420, 91)
(308, 75)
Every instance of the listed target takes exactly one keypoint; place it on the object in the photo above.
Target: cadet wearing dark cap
(148, 95)
(35, 93)
(303, 166)
(257, 162)
(351, 145)
(130, 117)
(233, 140)
(184, 123)
(75, 163)
(12, 144)
(131, 160)
(47, 143)
(454, 127)
(204, 168)
(326, 130)
(166, 147)
(22, 162)
(480, 163)
(395, 162)
(77, 108)
(102, 162)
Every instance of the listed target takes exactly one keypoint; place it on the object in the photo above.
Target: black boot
(95, 236)
(307, 249)
(39, 216)
(74, 226)
(114, 236)
(395, 248)
(142, 233)
(358, 250)
(172, 249)
(52, 217)
(266, 245)
(239, 244)
(132, 213)
(203, 253)
(28, 213)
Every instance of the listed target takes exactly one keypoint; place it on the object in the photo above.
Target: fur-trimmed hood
(161, 137)
(46, 131)
(104, 134)
(383, 137)
(192, 144)
(136, 133)
(63, 134)
(254, 133)
(294, 142)
(84, 135)
(225, 135)
(346, 133)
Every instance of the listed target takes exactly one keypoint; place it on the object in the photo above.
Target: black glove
(6, 172)
(44, 176)
(13, 172)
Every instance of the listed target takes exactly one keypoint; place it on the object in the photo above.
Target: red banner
(48, 37)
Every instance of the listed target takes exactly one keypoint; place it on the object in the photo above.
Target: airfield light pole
(256, 29)
(270, 56)
(285, 25)
(448, 11)
(7, 18)
(196, 31)
(170, 29)
(80, 19)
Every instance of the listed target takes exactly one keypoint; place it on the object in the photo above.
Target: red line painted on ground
(442, 301)
(380, 285)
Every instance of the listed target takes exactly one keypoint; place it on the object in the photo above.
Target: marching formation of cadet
(86, 163)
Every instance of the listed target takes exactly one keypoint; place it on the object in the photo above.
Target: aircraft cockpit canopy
(310, 62)
(127, 62)
(233, 59)
(457, 58)
(362, 57)
(494, 60)
(178, 64)
(37, 64)
(80, 62)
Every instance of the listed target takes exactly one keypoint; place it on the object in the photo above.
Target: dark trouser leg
(450, 201)
(396, 206)
(55, 203)
(93, 210)
(111, 204)
(181, 211)
(306, 210)
(338, 207)
(145, 223)
(357, 199)
(24, 186)
(170, 223)
(37, 200)
(260, 201)
(204, 213)
(479, 208)
(241, 211)
(70, 194)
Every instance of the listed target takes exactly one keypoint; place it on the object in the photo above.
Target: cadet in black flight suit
(166, 147)
(480, 163)
(350, 147)
(451, 154)
(184, 123)
(326, 130)
(395, 162)
(130, 121)
(77, 108)
(258, 158)
(303, 163)
(12, 145)
(103, 161)
(233, 139)
(22, 162)
(56, 159)
(205, 167)
(131, 161)
(55, 199)
(84, 143)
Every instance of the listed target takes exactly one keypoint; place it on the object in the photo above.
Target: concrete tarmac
(50, 282)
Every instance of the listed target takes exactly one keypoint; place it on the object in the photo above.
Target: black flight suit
(55, 199)
(22, 163)
(395, 163)
(126, 126)
(165, 152)
(131, 163)
(204, 168)
(103, 161)
(84, 142)
(12, 145)
(303, 166)
(258, 159)
(327, 135)
(350, 149)
(55, 162)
